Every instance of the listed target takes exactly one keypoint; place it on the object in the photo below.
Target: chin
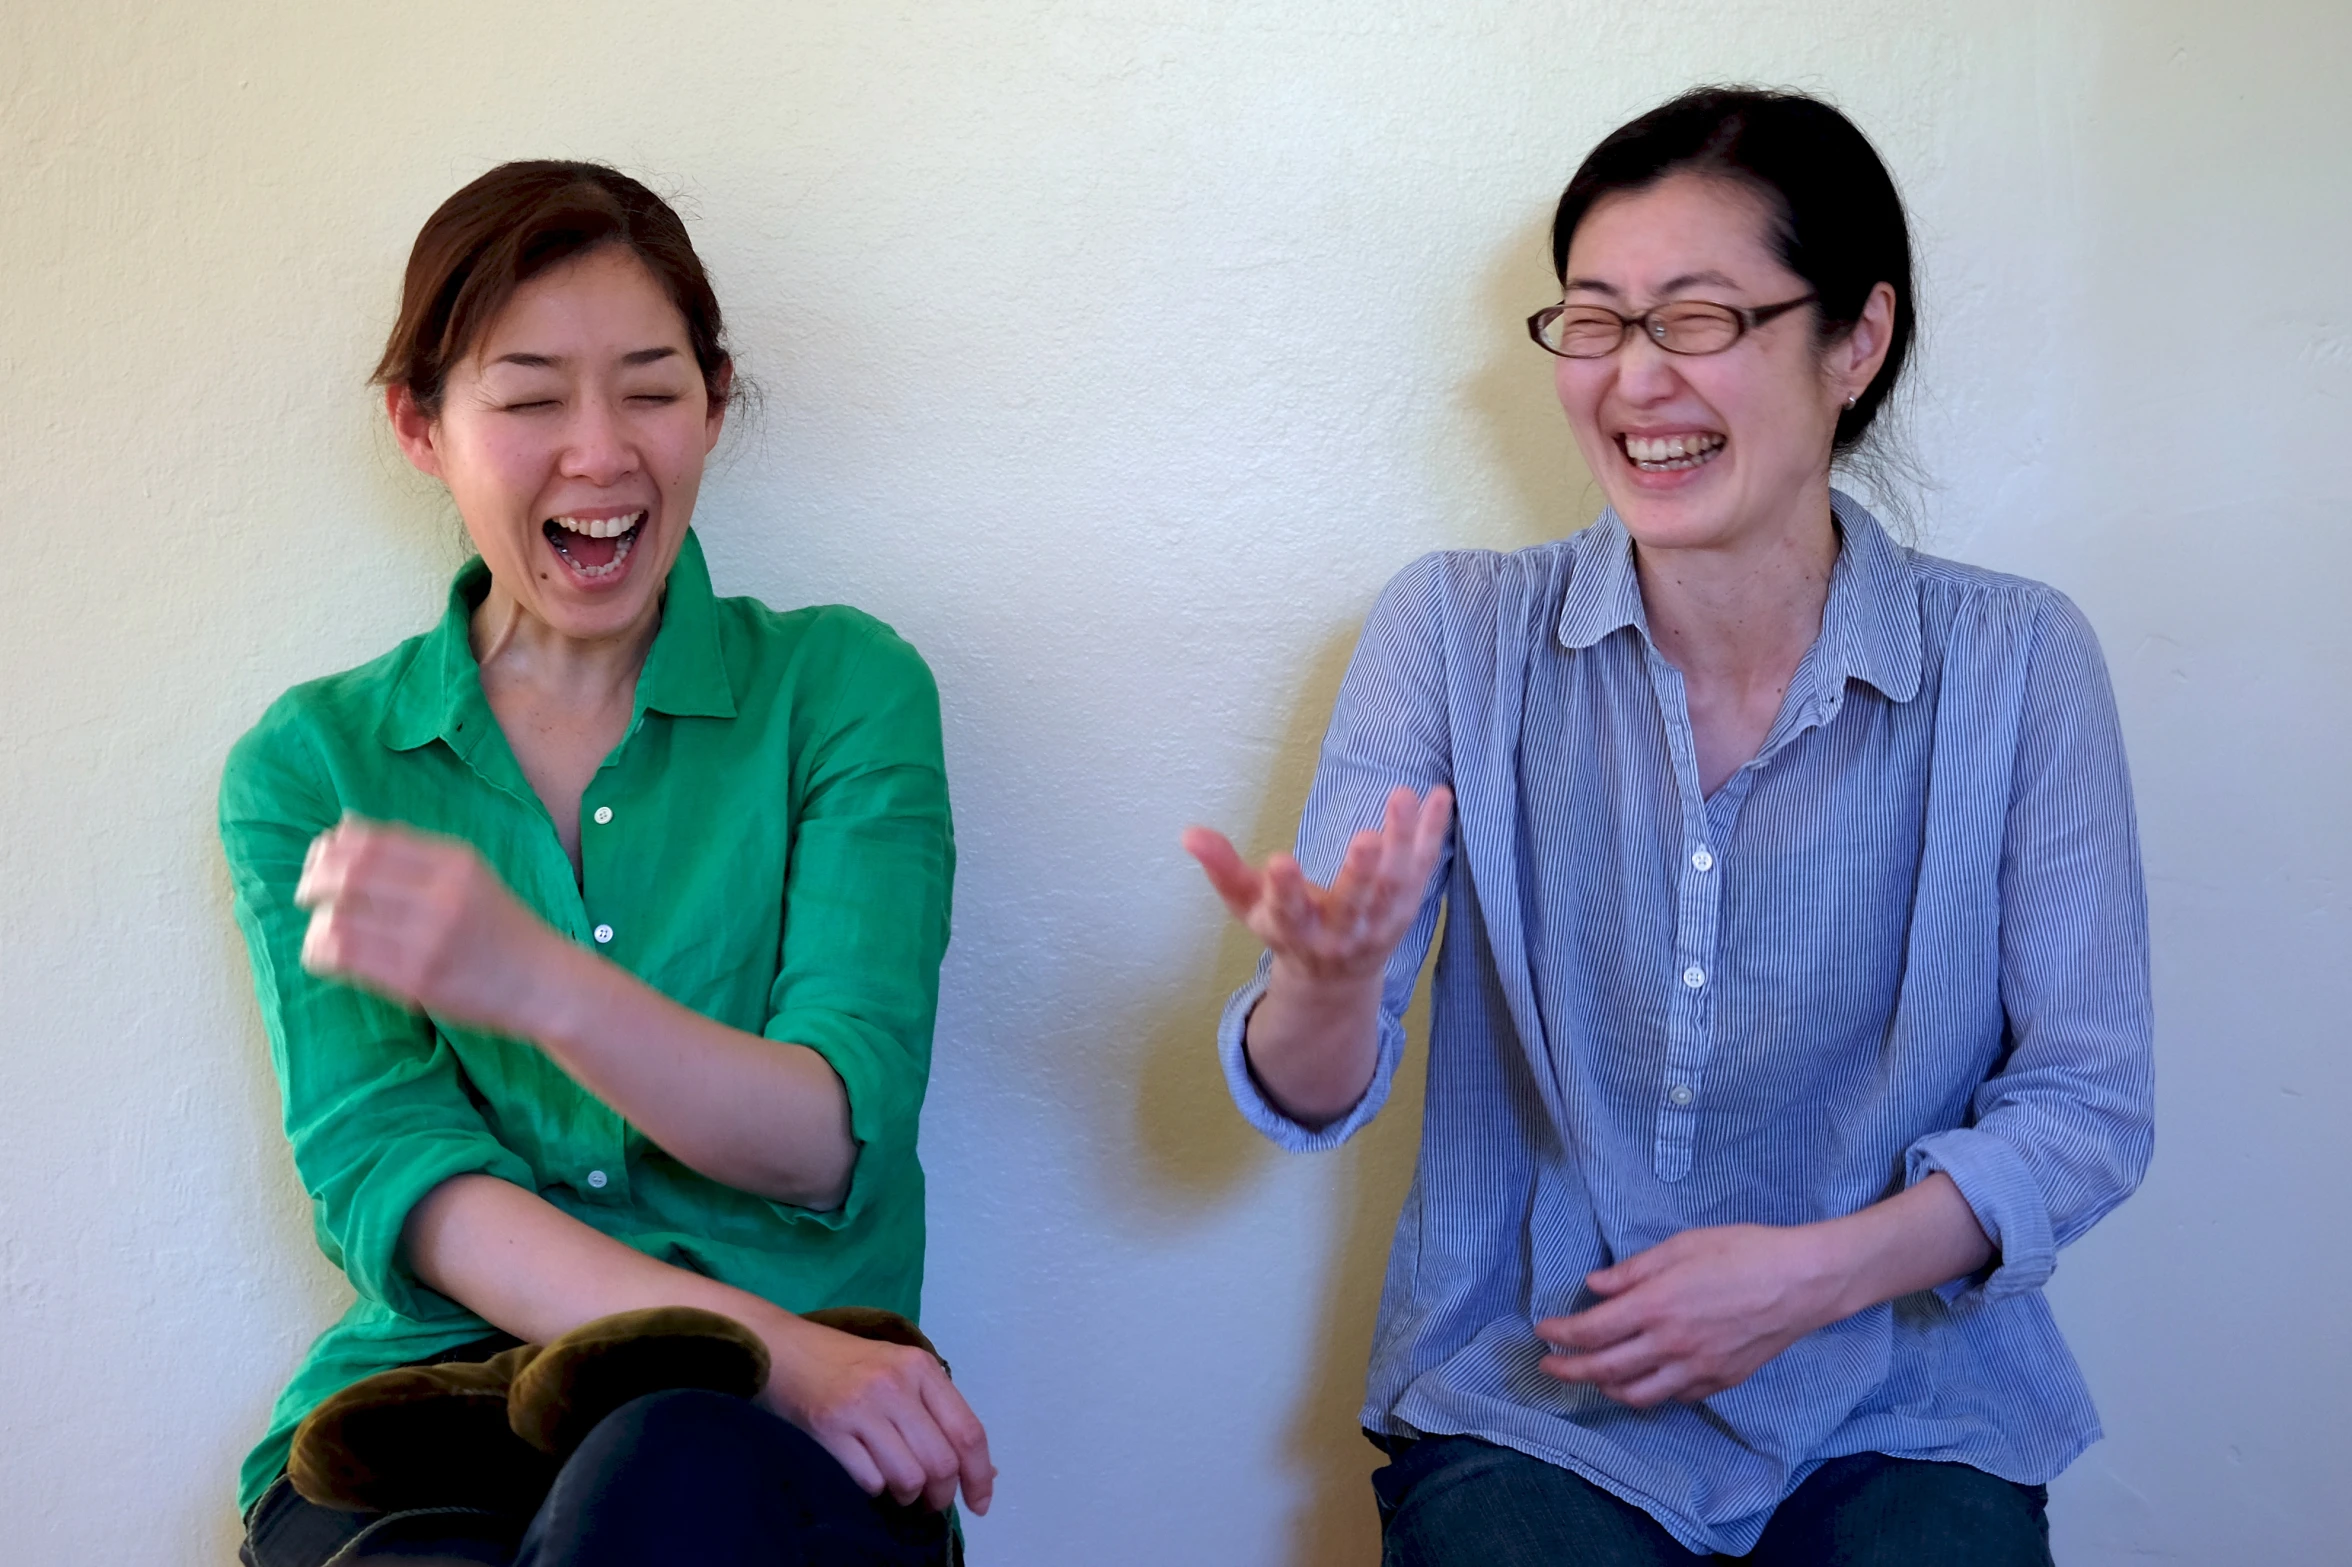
(1672, 521)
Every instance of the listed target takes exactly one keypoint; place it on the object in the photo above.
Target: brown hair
(512, 224)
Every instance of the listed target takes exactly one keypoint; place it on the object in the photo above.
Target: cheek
(503, 466)
(678, 451)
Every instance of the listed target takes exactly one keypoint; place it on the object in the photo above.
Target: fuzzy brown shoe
(421, 1436)
(579, 1378)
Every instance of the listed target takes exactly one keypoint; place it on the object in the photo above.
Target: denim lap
(1456, 1501)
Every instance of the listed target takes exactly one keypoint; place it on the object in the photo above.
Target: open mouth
(1670, 453)
(594, 548)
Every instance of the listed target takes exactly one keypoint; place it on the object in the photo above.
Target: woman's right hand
(1341, 935)
(1312, 1041)
(886, 1412)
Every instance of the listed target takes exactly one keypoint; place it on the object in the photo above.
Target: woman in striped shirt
(1793, 1007)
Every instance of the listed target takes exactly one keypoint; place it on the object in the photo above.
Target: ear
(1856, 361)
(413, 429)
(714, 417)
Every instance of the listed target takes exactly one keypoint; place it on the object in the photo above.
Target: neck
(521, 653)
(1742, 611)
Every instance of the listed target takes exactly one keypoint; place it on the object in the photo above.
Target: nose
(1646, 373)
(597, 448)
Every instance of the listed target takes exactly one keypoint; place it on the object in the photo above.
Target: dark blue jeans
(1455, 1501)
(685, 1476)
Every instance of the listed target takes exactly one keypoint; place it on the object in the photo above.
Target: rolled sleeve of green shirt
(872, 859)
(375, 1107)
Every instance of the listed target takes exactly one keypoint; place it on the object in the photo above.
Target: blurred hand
(422, 919)
(886, 1412)
(1697, 1313)
(1341, 934)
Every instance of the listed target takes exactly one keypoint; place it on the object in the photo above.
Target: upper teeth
(600, 527)
(1667, 448)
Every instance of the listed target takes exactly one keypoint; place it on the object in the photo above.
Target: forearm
(764, 1116)
(1917, 1239)
(528, 1268)
(1313, 1044)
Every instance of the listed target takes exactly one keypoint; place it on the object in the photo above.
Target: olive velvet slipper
(491, 1433)
(421, 1436)
(560, 1394)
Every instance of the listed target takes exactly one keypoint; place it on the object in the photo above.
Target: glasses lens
(1583, 332)
(1694, 328)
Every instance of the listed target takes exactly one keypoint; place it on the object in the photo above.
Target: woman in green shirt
(597, 930)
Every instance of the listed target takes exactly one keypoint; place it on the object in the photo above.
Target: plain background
(1116, 353)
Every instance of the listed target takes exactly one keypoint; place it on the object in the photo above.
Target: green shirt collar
(439, 696)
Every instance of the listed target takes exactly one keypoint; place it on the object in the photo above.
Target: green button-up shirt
(769, 844)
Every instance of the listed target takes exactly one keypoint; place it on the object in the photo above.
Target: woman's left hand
(1698, 1312)
(422, 919)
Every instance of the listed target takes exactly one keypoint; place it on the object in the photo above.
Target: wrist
(1840, 1255)
(1335, 997)
(559, 987)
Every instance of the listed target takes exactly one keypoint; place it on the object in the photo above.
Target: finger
(1357, 886)
(1398, 824)
(942, 1465)
(1614, 1367)
(1289, 904)
(1671, 1380)
(903, 1475)
(1596, 1328)
(1228, 872)
(324, 865)
(850, 1453)
(1626, 1272)
(337, 946)
(1431, 823)
(322, 943)
(963, 1428)
(1404, 867)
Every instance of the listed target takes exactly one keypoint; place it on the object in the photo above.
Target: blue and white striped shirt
(1910, 936)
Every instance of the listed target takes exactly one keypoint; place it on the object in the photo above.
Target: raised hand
(886, 1412)
(1313, 1041)
(1345, 932)
(422, 919)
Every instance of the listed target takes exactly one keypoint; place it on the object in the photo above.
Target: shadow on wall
(1548, 490)
(1194, 1147)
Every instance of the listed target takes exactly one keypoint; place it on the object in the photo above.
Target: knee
(687, 1416)
(695, 1438)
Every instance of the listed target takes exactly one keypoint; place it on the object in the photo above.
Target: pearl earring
(1851, 401)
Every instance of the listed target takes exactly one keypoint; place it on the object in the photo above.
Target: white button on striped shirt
(1909, 936)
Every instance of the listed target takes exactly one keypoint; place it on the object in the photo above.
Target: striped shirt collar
(1869, 629)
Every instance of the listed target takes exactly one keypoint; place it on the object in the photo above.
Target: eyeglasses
(1680, 326)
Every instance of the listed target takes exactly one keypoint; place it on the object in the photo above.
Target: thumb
(1227, 871)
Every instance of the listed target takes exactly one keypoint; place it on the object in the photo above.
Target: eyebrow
(642, 356)
(1667, 289)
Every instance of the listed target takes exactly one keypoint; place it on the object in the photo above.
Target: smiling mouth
(594, 547)
(1670, 453)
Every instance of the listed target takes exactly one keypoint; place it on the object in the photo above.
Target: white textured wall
(1117, 353)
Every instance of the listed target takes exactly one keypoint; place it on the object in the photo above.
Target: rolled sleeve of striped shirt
(1909, 936)
(1386, 729)
(2061, 1133)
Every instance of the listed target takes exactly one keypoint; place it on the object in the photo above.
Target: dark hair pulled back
(1837, 221)
(520, 220)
